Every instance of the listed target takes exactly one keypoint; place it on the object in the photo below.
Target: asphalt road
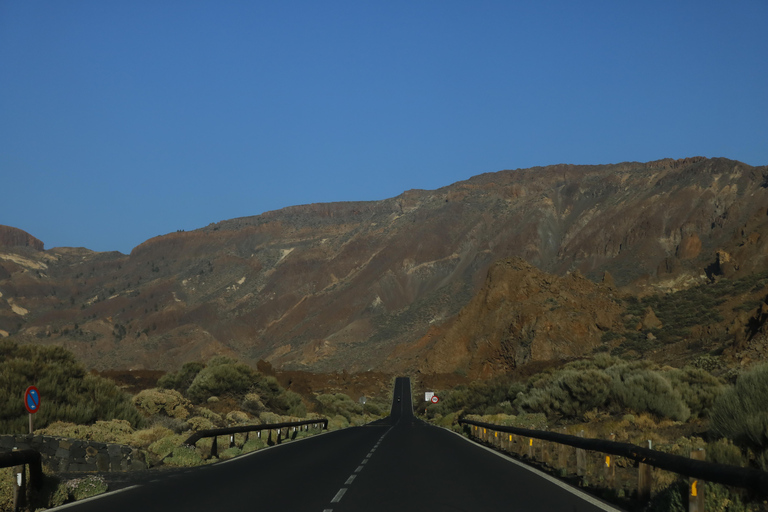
(396, 464)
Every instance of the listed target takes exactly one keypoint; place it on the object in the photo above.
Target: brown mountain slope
(338, 286)
(520, 315)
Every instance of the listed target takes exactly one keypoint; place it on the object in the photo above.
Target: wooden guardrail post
(562, 457)
(545, 451)
(581, 459)
(19, 487)
(214, 447)
(530, 448)
(610, 467)
(696, 486)
(644, 478)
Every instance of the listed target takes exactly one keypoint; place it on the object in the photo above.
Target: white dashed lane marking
(352, 477)
(339, 495)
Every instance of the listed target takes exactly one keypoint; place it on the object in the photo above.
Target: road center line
(350, 479)
(339, 495)
(359, 469)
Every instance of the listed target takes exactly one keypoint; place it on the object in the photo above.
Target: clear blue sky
(122, 120)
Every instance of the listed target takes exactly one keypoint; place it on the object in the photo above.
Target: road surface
(396, 464)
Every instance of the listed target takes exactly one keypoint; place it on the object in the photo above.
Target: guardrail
(695, 467)
(231, 431)
(17, 459)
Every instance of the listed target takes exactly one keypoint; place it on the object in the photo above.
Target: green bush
(230, 453)
(570, 394)
(167, 402)
(223, 378)
(339, 404)
(698, 389)
(184, 457)
(81, 488)
(741, 412)
(649, 391)
(254, 443)
(181, 380)
(67, 392)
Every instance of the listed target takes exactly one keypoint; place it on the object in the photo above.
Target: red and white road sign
(434, 399)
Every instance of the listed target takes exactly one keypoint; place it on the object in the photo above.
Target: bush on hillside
(339, 404)
(68, 392)
(167, 402)
(697, 388)
(181, 380)
(649, 391)
(570, 394)
(224, 378)
(740, 413)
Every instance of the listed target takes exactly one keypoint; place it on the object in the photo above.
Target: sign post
(31, 403)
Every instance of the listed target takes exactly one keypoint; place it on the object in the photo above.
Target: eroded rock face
(521, 315)
(13, 237)
(337, 286)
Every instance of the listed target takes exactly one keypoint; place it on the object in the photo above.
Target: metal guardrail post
(214, 447)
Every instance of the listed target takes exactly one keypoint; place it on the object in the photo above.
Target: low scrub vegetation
(678, 409)
(741, 414)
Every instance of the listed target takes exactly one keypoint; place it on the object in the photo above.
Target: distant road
(396, 464)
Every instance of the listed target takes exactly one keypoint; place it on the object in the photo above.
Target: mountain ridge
(331, 286)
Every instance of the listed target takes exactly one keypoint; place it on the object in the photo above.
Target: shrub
(200, 423)
(649, 391)
(570, 394)
(81, 488)
(162, 401)
(740, 413)
(697, 388)
(235, 417)
(253, 444)
(230, 453)
(252, 403)
(181, 380)
(165, 446)
(339, 404)
(184, 456)
(223, 378)
(69, 393)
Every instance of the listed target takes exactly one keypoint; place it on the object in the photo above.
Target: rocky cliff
(342, 285)
(13, 237)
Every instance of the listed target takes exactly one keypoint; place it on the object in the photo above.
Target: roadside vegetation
(679, 410)
(68, 392)
(221, 392)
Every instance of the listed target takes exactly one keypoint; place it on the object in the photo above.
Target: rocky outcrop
(13, 237)
(521, 315)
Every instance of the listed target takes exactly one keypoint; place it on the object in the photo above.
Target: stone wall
(61, 454)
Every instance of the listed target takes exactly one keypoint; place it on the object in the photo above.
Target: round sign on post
(32, 400)
(434, 399)
(31, 403)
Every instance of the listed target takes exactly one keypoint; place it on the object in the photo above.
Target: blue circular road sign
(32, 399)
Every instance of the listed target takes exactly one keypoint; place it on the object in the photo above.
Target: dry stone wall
(62, 454)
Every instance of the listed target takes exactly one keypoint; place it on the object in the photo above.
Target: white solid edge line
(577, 492)
(92, 498)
